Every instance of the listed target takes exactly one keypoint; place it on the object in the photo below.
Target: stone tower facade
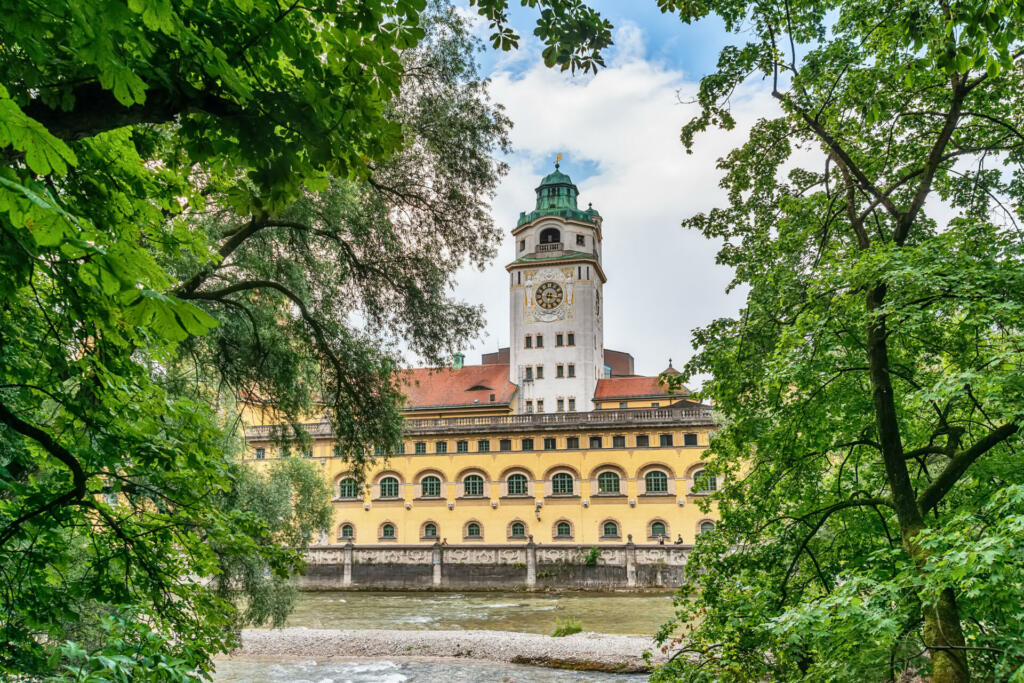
(556, 350)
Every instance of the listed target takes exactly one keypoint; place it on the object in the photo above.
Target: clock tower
(556, 353)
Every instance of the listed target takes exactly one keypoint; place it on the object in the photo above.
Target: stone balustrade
(494, 567)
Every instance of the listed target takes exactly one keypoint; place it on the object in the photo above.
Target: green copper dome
(556, 196)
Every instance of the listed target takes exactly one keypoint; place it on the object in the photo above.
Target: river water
(620, 613)
(625, 613)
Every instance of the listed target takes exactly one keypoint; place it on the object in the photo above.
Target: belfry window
(550, 236)
(581, 240)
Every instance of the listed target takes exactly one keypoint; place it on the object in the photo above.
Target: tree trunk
(943, 635)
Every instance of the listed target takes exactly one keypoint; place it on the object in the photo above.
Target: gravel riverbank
(581, 651)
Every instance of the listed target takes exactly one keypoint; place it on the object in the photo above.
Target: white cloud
(626, 119)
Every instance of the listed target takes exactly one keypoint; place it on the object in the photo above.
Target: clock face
(549, 295)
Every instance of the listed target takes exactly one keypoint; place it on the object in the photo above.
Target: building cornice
(624, 418)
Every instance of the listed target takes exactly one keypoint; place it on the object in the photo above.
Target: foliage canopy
(199, 202)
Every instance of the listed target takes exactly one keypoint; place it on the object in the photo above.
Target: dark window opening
(618, 442)
(665, 440)
(572, 441)
(527, 445)
(550, 443)
(595, 442)
(643, 441)
(581, 240)
(690, 439)
(505, 444)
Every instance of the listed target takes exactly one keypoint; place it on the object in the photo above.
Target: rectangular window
(421, 447)
(572, 370)
(529, 342)
(595, 442)
(540, 372)
(401, 448)
(307, 452)
(505, 444)
(623, 404)
(643, 441)
(483, 446)
(529, 406)
(441, 447)
(527, 445)
(540, 341)
(561, 405)
(462, 446)
(618, 441)
(529, 372)
(689, 439)
(540, 405)
(571, 341)
(581, 240)
(378, 449)
(550, 443)
(572, 405)
(559, 370)
(655, 404)
(558, 339)
(261, 453)
(522, 245)
(572, 442)
(665, 440)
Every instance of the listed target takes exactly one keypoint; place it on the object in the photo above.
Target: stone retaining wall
(493, 567)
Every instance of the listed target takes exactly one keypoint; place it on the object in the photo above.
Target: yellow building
(553, 437)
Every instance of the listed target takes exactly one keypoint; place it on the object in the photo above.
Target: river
(613, 613)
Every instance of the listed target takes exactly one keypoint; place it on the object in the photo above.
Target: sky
(618, 132)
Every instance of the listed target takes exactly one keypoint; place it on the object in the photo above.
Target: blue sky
(618, 132)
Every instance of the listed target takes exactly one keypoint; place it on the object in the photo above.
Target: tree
(199, 202)
(871, 389)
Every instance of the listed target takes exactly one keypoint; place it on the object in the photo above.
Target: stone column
(531, 563)
(347, 577)
(437, 563)
(630, 562)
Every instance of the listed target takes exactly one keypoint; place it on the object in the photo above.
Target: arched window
(473, 485)
(389, 487)
(563, 530)
(706, 527)
(517, 485)
(429, 530)
(348, 532)
(518, 530)
(657, 529)
(656, 481)
(704, 482)
(473, 530)
(561, 484)
(610, 529)
(387, 531)
(348, 488)
(607, 482)
(430, 486)
(550, 236)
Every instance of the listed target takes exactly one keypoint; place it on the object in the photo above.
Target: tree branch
(96, 110)
(935, 492)
(57, 451)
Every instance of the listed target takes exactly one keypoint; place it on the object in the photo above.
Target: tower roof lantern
(556, 196)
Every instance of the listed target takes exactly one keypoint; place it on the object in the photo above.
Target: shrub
(591, 558)
(566, 627)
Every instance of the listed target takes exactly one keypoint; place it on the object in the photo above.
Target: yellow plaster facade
(498, 453)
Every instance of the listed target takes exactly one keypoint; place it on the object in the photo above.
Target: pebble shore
(581, 651)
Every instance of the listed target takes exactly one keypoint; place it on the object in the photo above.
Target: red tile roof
(469, 386)
(631, 387)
